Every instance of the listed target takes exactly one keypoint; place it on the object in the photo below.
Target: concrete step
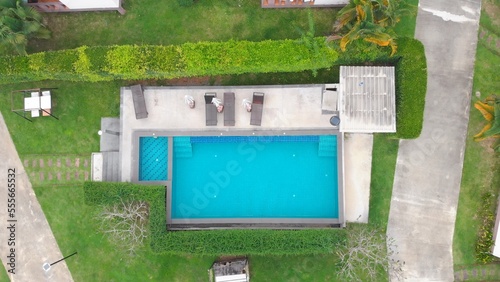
(111, 166)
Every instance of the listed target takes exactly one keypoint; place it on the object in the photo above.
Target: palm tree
(370, 20)
(490, 109)
(19, 23)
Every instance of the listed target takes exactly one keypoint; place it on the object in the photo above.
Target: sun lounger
(229, 109)
(210, 109)
(257, 106)
(139, 102)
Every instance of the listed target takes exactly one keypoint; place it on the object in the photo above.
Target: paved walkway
(357, 175)
(57, 169)
(429, 169)
(34, 242)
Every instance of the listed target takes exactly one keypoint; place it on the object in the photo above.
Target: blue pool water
(255, 177)
(153, 158)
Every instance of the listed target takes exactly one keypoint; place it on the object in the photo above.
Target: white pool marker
(215, 156)
(294, 195)
(326, 174)
(294, 155)
(156, 159)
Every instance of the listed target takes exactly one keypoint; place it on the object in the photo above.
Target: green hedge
(212, 242)
(411, 88)
(164, 62)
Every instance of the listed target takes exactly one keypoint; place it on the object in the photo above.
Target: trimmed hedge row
(212, 242)
(164, 62)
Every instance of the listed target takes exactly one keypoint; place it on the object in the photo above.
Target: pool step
(327, 146)
(182, 147)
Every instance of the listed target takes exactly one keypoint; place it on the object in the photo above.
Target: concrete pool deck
(288, 109)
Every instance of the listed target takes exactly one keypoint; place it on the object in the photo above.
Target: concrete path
(429, 169)
(31, 242)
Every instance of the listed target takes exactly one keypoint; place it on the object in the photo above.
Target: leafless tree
(367, 252)
(126, 223)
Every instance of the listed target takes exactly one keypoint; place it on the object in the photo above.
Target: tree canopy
(19, 23)
(370, 20)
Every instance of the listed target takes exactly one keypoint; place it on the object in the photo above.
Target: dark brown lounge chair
(210, 109)
(229, 109)
(257, 106)
(139, 102)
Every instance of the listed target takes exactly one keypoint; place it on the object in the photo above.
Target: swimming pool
(243, 177)
(153, 158)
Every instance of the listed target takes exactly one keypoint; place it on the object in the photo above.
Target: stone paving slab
(34, 242)
(70, 170)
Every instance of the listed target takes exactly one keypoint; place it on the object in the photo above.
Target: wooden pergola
(35, 101)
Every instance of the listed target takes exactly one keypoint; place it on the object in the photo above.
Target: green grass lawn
(79, 107)
(481, 165)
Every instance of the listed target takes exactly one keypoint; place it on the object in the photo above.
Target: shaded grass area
(328, 75)
(165, 22)
(79, 107)
(481, 164)
(294, 268)
(384, 156)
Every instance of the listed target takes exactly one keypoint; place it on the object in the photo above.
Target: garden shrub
(212, 242)
(411, 88)
(485, 241)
